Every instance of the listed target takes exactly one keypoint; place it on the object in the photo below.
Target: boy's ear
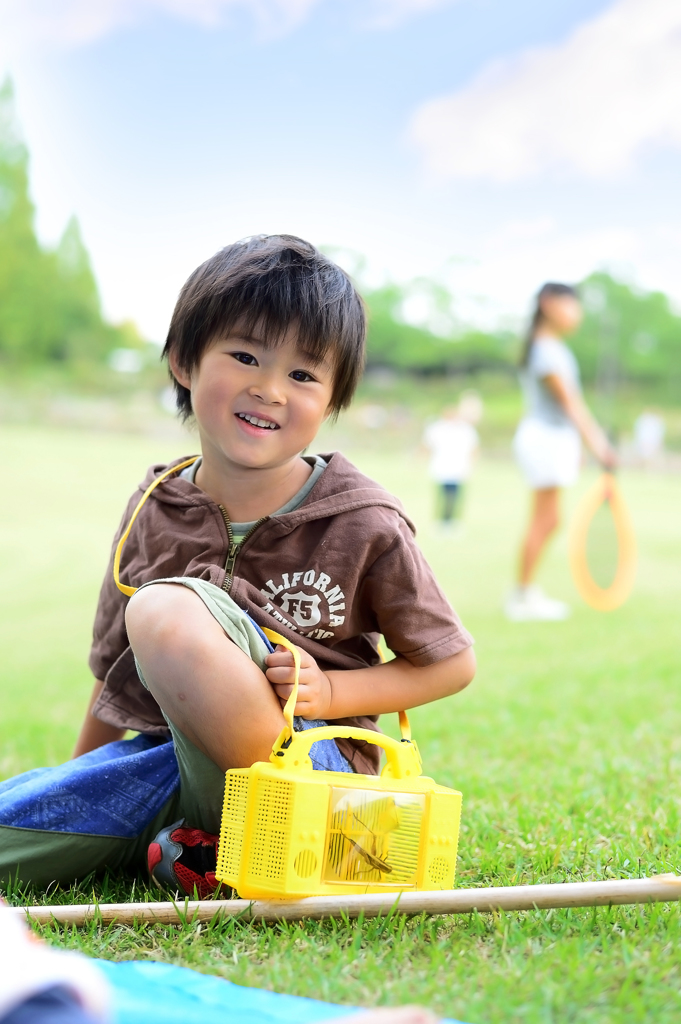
(180, 375)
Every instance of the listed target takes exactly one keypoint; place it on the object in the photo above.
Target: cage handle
(287, 732)
(403, 758)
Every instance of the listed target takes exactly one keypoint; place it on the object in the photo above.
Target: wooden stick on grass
(658, 889)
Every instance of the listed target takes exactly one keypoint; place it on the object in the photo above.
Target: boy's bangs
(271, 331)
(265, 288)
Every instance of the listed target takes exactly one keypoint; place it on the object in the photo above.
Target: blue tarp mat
(155, 993)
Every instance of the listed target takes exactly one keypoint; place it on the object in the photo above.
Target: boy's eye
(245, 357)
(301, 375)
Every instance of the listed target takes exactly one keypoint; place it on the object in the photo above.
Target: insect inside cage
(371, 858)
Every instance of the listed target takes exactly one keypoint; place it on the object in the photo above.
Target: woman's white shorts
(548, 455)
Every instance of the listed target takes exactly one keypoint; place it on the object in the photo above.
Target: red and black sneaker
(184, 859)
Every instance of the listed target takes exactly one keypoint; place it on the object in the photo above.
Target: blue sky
(490, 143)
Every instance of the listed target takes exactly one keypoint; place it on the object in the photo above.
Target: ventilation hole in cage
(231, 833)
(305, 863)
(438, 870)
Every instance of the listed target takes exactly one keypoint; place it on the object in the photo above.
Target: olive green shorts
(202, 782)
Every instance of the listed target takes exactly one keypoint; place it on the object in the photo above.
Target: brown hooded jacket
(333, 575)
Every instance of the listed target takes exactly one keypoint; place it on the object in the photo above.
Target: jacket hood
(340, 488)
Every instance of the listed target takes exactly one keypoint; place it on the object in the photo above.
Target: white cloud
(27, 23)
(44, 23)
(588, 105)
(389, 13)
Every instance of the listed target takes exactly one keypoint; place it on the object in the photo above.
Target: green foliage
(393, 342)
(49, 304)
(628, 334)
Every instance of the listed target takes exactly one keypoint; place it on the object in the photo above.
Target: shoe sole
(533, 616)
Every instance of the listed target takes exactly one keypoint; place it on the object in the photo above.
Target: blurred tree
(439, 344)
(20, 256)
(49, 304)
(627, 335)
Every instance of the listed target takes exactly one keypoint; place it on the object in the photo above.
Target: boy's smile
(256, 421)
(257, 407)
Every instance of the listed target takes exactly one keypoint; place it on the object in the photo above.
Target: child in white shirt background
(453, 441)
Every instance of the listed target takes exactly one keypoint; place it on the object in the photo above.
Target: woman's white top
(548, 356)
(547, 444)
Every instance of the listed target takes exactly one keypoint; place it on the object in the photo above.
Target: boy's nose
(268, 389)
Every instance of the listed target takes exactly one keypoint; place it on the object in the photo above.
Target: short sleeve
(110, 638)
(550, 357)
(410, 609)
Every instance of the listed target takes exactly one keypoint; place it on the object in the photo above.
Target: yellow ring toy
(603, 599)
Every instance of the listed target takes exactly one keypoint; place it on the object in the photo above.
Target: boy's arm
(95, 733)
(394, 686)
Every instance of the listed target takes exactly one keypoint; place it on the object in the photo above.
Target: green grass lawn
(567, 747)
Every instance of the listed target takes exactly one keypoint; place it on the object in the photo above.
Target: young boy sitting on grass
(266, 342)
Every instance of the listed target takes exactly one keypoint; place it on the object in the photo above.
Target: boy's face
(257, 407)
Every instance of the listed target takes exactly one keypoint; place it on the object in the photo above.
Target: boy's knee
(161, 609)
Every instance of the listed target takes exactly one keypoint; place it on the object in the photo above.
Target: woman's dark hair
(272, 283)
(547, 291)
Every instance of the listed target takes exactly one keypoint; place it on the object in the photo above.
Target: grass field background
(567, 747)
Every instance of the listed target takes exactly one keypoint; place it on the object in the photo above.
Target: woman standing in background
(547, 442)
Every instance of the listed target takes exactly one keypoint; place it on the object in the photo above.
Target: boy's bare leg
(205, 684)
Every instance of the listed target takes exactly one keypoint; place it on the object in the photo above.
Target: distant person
(649, 431)
(547, 442)
(452, 441)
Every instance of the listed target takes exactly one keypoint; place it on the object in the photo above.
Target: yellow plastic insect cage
(289, 831)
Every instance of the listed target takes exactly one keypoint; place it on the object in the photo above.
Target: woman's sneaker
(184, 860)
(530, 604)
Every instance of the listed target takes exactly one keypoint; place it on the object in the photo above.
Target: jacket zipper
(233, 548)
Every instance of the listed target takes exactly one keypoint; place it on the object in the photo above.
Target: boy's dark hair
(272, 282)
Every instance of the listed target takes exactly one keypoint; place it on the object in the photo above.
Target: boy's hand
(314, 689)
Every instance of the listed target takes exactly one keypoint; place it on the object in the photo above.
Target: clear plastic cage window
(373, 837)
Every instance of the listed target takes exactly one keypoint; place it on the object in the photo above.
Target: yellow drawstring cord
(129, 591)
